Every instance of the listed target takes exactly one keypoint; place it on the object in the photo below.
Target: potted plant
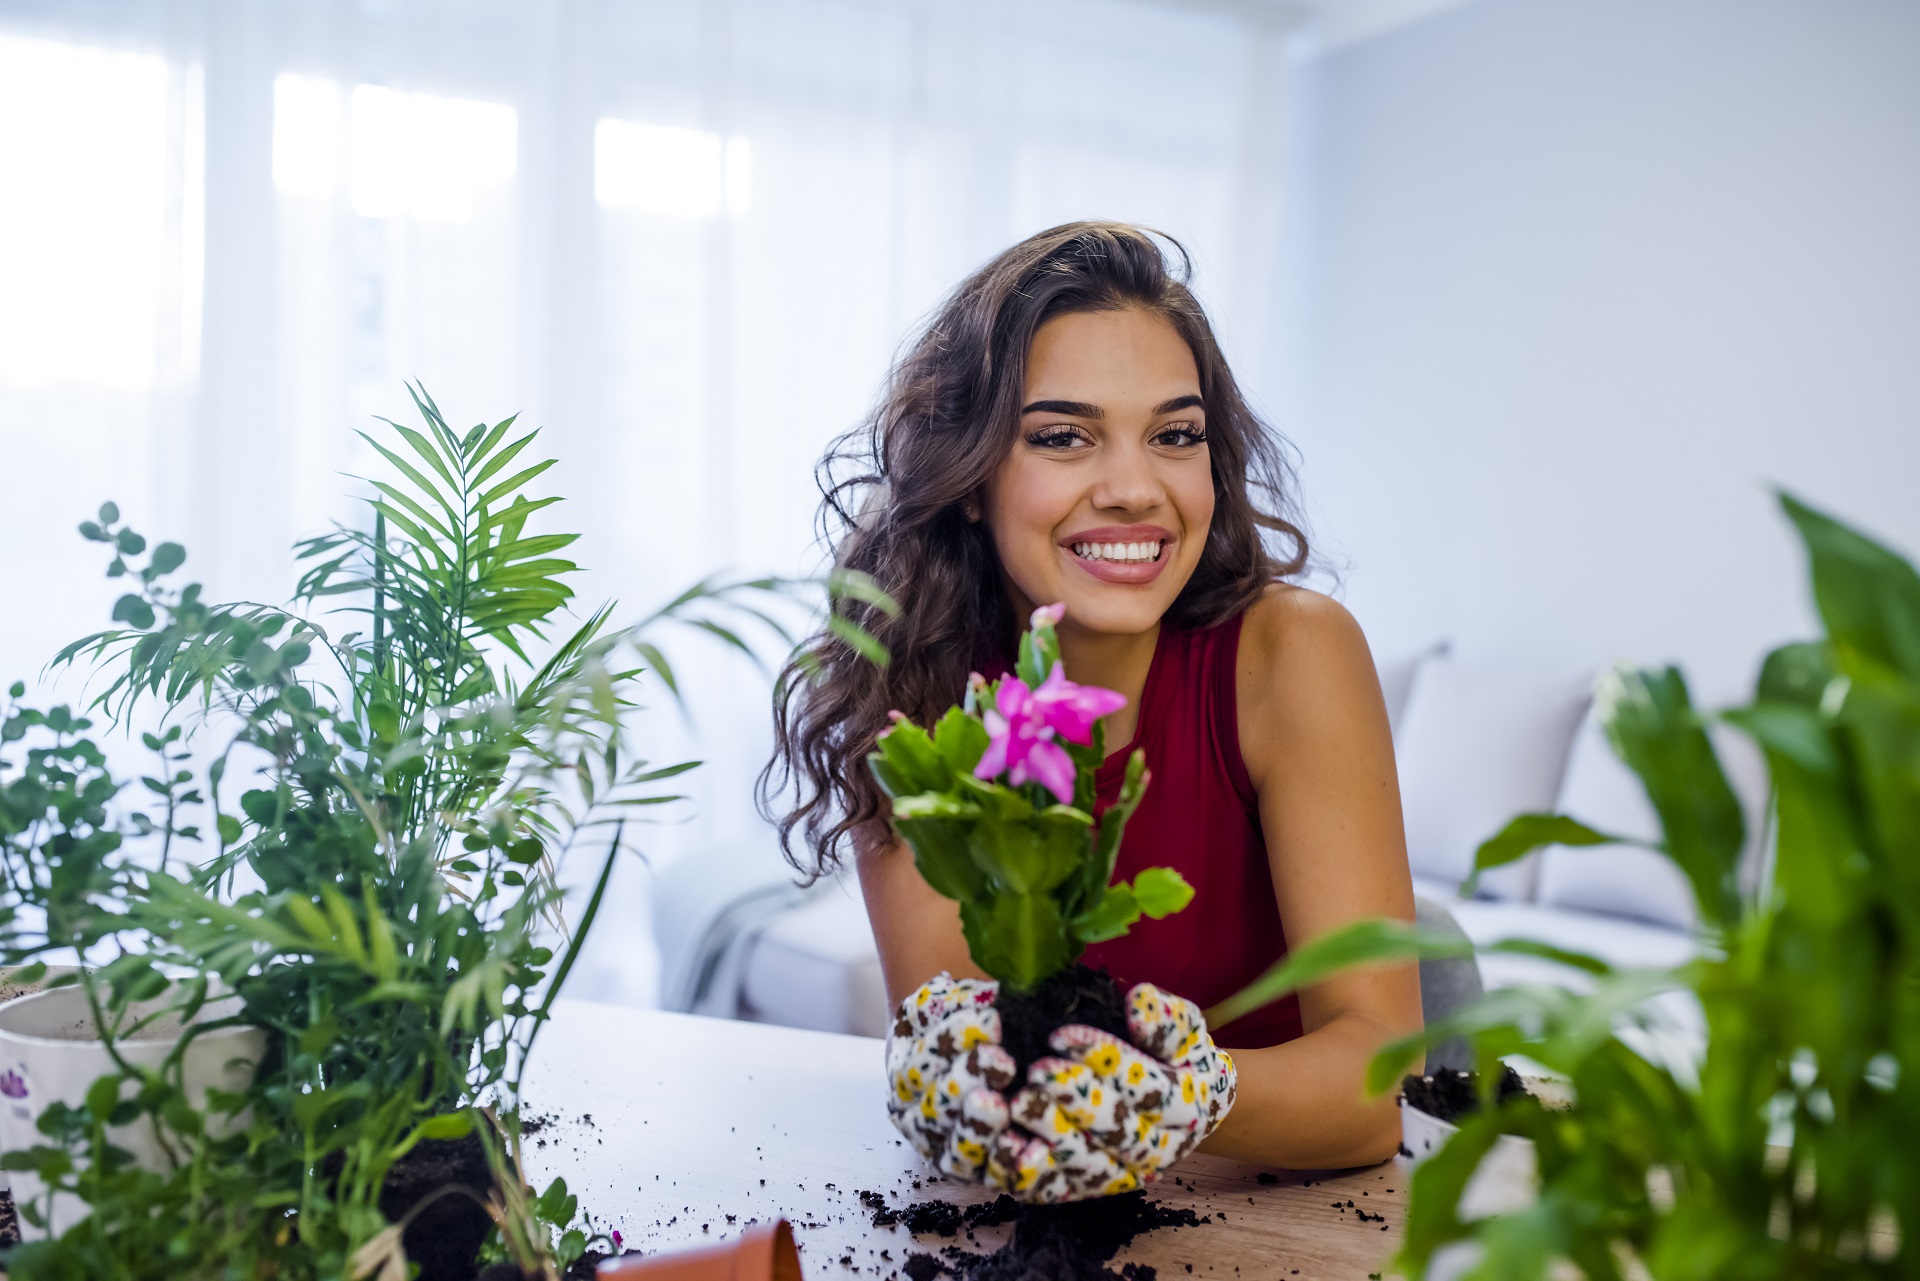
(997, 803)
(1791, 1148)
(379, 908)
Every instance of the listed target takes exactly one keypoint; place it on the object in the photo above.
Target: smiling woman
(1066, 436)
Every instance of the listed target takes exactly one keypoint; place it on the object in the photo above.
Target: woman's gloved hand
(1106, 1117)
(946, 1070)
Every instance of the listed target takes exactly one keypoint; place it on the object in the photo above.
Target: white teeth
(1118, 552)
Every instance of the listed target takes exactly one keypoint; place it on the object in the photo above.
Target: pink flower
(1024, 724)
(1048, 615)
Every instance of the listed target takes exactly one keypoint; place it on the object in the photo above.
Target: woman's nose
(1128, 481)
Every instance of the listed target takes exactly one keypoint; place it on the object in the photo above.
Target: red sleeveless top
(1201, 818)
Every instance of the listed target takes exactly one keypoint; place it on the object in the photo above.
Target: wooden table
(679, 1130)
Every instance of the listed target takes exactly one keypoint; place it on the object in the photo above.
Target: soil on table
(1449, 1094)
(444, 1238)
(1077, 994)
(1071, 1242)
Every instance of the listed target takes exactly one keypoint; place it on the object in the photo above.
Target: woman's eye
(1054, 438)
(1182, 435)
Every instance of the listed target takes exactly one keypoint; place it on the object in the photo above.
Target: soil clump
(444, 1238)
(1449, 1094)
(1070, 1242)
(1077, 994)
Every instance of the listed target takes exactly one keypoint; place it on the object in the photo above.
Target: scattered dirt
(1077, 994)
(1450, 1094)
(445, 1237)
(1070, 1242)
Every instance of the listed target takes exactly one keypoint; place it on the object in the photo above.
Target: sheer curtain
(684, 236)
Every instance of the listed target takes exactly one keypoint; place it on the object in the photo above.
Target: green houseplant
(382, 897)
(1792, 1148)
(997, 804)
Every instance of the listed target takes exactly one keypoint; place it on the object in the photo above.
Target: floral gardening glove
(946, 1069)
(1107, 1117)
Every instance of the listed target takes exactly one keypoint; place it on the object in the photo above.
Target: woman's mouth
(1120, 554)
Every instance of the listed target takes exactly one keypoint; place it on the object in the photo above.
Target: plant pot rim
(13, 1008)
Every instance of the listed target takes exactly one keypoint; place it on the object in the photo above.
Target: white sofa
(1476, 742)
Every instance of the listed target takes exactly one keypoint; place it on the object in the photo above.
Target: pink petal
(1052, 768)
(1049, 615)
(1013, 698)
(1071, 710)
(993, 762)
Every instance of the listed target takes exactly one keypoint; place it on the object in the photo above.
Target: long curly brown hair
(894, 492)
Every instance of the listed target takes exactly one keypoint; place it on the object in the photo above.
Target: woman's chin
(1116, 609)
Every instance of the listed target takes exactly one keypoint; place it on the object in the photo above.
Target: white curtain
(683, 236)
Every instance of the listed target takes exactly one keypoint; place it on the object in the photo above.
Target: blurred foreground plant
(1792, 1149)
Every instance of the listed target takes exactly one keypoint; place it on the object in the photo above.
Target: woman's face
(1105, 501)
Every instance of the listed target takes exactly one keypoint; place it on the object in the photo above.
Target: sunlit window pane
(309, 135)
(668, 170)
(397, 154)
(83, 222)
(427, 156)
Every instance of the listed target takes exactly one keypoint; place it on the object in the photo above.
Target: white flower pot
(10, 990)
(1508, 1179)
(50, 1052)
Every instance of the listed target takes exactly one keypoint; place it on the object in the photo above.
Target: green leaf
(1654, 729)
(1527, 833)
(860, 640)
(1017, 938)
(134, 611)
(109, 513)
(167, 557)
(1110, 918)
(851, 584)
(229, 828)
(1869, 596)
(1161, 891)
(453, 1125)
(130, 543)
(102, 1096)
(1371, 941)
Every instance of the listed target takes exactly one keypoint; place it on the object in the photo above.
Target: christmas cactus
(998, 805)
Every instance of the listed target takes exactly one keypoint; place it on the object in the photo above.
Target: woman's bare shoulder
(1292, 630)
(1304, 669)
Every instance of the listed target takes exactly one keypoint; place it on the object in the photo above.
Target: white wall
(1573, 284)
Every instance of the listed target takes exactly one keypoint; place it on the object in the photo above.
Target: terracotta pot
(763, 1253)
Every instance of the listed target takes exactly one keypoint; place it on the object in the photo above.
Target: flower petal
(1052, 768)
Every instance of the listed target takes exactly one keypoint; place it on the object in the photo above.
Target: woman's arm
(916, 929)
(1313, 732)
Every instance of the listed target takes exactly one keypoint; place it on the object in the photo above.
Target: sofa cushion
(1626, 880)
(1622, 943)
(816, 966)
(1396, 681)
(1480, 742)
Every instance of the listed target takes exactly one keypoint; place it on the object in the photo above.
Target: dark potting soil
(444, 1238)
(1077, 994)
(1071, 1242)
(1449, 1094)
(9, 1219)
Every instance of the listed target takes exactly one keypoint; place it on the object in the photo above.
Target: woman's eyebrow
(1178, 403)
(1071, 408)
